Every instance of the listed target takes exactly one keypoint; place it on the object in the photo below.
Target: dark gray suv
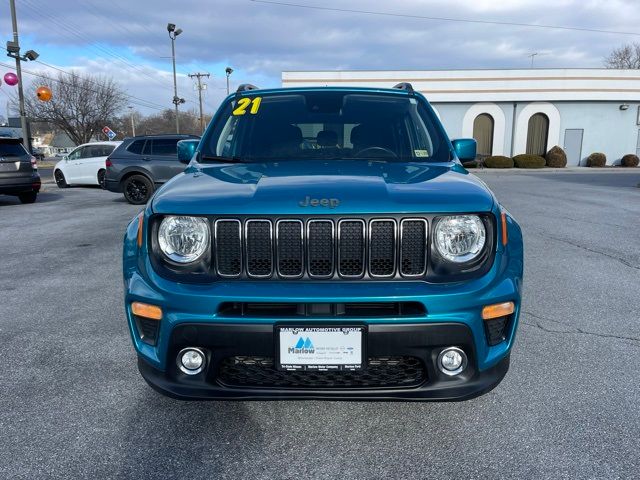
(18, 171)
(140, 164)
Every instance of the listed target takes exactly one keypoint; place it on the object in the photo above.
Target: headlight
(183, 239)
(460, 238)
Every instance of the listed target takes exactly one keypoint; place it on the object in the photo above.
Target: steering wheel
(375, 152)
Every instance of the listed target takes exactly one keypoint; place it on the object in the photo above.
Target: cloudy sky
(127, 39)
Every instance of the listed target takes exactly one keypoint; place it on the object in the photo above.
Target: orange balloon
(44, 94)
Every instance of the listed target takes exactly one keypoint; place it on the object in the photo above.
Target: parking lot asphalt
(72, 404)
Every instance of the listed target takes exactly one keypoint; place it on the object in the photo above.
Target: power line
(139, 102)
(91, 81)
(72, 31)
(445, 19)
(135, 100)
(113, 5)
(95, 11)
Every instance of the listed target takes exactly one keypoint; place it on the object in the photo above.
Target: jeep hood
(359, 186)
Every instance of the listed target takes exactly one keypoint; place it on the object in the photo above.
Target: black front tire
(137, 189)
(28, 197)
(60, 180)
(101, 179)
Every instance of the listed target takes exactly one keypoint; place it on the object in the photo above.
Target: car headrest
(327, 138)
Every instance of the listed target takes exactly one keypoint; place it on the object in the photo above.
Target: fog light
(452, 361)
(191, 361)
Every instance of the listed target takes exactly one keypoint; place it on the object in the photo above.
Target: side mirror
(465, 149)
(186, 150)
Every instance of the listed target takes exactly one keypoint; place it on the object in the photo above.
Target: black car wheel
(28, 197)
(60, 180)
(101, 176)
(137, 189)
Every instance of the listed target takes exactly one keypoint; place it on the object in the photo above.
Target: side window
(102, 150)
(136, 147)
(92, 151)
(77, 153)
(165, 147)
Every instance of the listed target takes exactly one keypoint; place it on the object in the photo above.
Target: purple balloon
(10, 79)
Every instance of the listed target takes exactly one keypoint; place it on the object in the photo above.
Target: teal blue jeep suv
(324, 243)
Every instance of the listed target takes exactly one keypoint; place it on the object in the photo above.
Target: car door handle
(146, 158)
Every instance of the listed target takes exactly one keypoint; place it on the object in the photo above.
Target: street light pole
(23, 115)
(228, 71)
(133, 126)
(173, 33)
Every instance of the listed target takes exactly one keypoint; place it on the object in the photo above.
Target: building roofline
(458, 70)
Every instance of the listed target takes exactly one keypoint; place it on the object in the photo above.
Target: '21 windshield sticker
(243, 104)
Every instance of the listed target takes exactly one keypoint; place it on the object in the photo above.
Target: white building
(519, 111)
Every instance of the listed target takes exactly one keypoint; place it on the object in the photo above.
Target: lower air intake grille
(381, 372)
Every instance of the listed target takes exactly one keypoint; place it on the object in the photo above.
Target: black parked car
(18, 171)
(141, 164)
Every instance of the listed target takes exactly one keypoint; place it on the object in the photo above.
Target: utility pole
(201, 86)
(133, 125)
(533, 55)
(15, 48)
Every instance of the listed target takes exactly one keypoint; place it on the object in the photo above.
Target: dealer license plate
(320, 348)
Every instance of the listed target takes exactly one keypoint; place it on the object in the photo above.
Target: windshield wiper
(216, 158)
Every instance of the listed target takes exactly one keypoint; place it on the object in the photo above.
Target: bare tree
(627, 56)
(80, 105)
(165, 122)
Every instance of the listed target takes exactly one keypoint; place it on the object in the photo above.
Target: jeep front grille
(348, 248)
(320, 244)
(228, 247)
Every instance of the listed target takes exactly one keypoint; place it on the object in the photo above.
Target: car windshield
(326, 125)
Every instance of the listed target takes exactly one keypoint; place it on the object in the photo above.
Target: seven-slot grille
(350, 248)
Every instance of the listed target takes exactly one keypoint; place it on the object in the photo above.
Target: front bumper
(192, 317)
(423, 342)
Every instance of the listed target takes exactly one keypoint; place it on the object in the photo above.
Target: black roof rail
(404, 86)
(245, 87)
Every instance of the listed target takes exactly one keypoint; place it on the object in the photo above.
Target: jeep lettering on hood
(321, 202)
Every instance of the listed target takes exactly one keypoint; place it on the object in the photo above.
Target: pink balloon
(10, 79)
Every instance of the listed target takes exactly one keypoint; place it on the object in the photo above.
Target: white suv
(85, 165)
